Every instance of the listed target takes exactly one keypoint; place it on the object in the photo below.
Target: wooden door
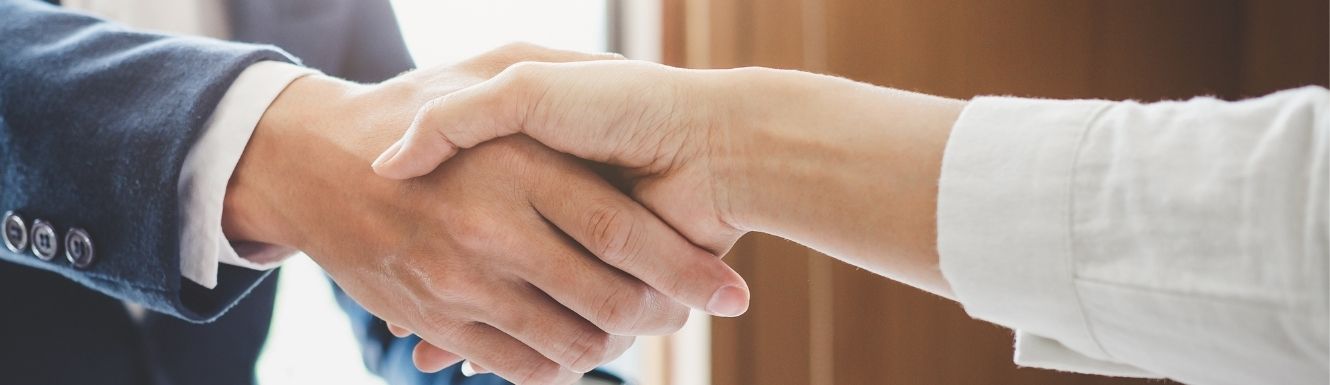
(818, 321)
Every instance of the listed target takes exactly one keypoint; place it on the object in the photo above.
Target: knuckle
(522, 75)
(513, 321)
(443, 281)
(659, 314)
(612, 234)
(475, 231)
(588, 351)
(622, 310)
(446, 289)
(429, 113)
(675, 317)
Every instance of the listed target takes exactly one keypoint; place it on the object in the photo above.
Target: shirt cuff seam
(1087, 126)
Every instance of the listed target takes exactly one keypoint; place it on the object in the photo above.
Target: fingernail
(729, 301)
(467, 369)
(388, 154)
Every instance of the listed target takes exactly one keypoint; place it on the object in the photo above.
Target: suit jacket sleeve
(95, 123)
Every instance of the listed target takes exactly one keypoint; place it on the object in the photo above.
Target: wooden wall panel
(746, 347)
(818, 321)
(1284, 45)
(1048, 48)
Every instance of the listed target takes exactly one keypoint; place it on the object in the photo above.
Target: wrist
(813, 158)
(758, 142)
(311, 152)
(294, 127)
(734, 146)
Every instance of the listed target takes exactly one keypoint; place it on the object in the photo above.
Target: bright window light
(448, 31)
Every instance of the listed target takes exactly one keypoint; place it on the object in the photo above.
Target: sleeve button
(78, 248)
(45, 243)
(15, 232)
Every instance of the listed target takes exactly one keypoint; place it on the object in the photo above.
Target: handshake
(519, 258)
(592, 204)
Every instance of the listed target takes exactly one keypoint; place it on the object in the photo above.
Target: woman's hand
(847, 168)
(658, 123)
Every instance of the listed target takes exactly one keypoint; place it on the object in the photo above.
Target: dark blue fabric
(44, 341)
(95, 122)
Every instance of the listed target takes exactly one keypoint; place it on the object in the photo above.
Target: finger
(430, 359)
(388, 153)
(425, 145)
(398, 331)
(417, 154)
(505, 356)
(613, 300)
(554, 331)
(629, 237)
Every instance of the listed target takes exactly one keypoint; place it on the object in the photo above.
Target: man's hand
(514, 256)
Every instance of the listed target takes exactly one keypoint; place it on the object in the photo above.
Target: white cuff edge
(1004, 199)
(208, 167)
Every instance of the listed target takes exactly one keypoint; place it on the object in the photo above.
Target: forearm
(846, 168)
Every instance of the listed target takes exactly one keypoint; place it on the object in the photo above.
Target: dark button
(15, 231)
(78, 248)
(45, 243)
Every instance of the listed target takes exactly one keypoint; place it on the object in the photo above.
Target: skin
(485, 257)
(846, 168)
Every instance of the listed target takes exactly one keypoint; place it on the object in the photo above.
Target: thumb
(462, 119)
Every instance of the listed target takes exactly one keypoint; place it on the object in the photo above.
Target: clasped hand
(521, 259)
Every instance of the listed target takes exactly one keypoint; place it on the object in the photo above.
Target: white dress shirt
(209, 164)
(1186, 240)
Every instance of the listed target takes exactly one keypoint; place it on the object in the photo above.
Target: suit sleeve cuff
(1004, 236)
(208, 167)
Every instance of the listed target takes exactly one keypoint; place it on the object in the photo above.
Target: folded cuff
(1004, 205)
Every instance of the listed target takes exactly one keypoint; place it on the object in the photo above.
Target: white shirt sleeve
(208, 167)
(1186, 240)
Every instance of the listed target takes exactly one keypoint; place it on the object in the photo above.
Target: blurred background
(815, 320)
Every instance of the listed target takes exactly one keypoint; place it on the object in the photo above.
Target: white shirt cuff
(1009, 165)
(208, 167)
(1038, 352)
